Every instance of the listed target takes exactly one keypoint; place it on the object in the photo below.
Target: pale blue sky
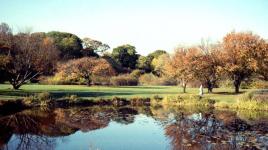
(147, 24)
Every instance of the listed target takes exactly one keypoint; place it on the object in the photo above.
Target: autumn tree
(5, 42)
(206, 65)
(87, 68)
(262, 60)
(179, 67)
(240, 56)
(27, 56)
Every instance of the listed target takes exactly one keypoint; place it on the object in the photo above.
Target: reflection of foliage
(28, 141)
(187, 128)
(205, 131)
(37, 129)
(125, 115)
(29, 132)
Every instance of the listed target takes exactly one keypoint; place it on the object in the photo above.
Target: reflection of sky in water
(145, 133)
(129, 128)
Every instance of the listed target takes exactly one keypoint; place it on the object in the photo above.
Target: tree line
(29, 57)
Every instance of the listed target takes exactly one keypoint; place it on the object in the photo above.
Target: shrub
(151, 79)
(259, 84)
(124, 80)
(29, 99)
(254, 100)
(44, 96)
(62, 78)
(98, 80)
(187, 100)
(39, 99)
(73, 97)
(157, 97)
(136, 73)
(140, 101)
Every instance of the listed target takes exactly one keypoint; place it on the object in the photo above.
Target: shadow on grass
(228, 93)
(143, 87)
(62, 93)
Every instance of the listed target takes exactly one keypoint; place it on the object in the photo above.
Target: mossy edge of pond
(44, 99)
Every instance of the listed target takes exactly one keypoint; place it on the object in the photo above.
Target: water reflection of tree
(206, 131)
(40, 129)
(29, 141)
(26, 131)
(193, 133)
(125, 115)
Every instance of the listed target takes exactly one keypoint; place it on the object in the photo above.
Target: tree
(87, 68)
(68, 44)
(26, 57)
(179, 67)
(156, 54)
(96, 46)
(144, 63)
(240, 54)
(152, 56)
(116, 66)
(125, 55)
(206, 65)
(5, 42)
(158, 64)
(262, 61)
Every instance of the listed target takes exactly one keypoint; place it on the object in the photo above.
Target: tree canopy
(87, 68)
(240, 56)
(68, 44)
(125, 55)
(26, 56)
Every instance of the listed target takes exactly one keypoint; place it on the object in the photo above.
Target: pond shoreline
(11, 106)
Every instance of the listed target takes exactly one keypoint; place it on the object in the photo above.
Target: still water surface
(128, 127)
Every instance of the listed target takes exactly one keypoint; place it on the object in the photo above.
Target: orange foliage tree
(240, 56)
(179, 66)
(206, 65)
(262, 61)
(87, 68)
(25, 56)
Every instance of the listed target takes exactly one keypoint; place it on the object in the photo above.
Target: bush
(259, 84)
(97, 80)
(39, 99)
(124, 80)
(136, 73)
(44, 96)
(258, 96)
(62, 78)
(151, 79)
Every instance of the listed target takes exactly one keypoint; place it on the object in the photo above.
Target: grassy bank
(85, 92)
(164, 95)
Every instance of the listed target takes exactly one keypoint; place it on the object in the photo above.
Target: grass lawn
(85, 92)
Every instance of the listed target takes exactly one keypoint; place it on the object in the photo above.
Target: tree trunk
(184, 87)
(210, 87)
(265, 78)
(88, 82)
(237, 85)
(15, 86)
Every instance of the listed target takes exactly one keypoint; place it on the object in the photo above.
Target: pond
(129, 127)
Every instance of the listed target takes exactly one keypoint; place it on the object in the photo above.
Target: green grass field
(85, 92)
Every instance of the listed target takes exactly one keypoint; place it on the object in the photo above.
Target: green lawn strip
(86, 92)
